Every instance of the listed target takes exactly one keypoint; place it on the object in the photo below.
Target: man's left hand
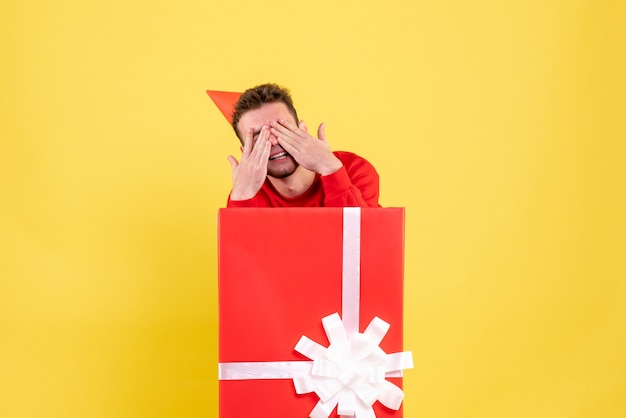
(310, 152)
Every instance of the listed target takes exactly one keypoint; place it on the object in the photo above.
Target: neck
(295, 184)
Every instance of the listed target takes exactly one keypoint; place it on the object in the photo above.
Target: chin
(283, 172)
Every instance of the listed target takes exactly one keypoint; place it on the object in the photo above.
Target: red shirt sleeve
(258, 201)
(356, 184)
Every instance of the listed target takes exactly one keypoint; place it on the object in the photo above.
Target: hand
(311, 153)
(250, 174)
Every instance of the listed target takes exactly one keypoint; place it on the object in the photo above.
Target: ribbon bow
(350, 373)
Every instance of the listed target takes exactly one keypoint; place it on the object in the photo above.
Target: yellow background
(500, 126)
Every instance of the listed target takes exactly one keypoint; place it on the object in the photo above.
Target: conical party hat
(225, 102)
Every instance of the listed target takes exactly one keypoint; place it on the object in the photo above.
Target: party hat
(225, 102)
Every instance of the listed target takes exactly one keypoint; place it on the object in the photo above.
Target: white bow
(350, 373)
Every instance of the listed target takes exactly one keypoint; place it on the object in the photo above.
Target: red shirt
(355, 184)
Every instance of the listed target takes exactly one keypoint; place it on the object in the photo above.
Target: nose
(273, 140)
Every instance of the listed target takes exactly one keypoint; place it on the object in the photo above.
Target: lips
(276, 156)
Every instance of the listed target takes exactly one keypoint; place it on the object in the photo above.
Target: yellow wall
(500, 126)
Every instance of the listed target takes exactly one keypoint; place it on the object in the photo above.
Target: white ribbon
(350, 373)
(351, 269)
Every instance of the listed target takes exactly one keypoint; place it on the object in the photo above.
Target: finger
(286, 127)
(321, 132)
(279, 128)
(302, 126)
(272, 136)
(289, 145)
(247, 142)
(233, 163)
(265, 153)
(288, 137)
(285, 131)
(262, 148)
(262, 145)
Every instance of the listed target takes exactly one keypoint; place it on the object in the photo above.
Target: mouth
(279, 155)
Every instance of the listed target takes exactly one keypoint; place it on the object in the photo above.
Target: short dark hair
(256, 97)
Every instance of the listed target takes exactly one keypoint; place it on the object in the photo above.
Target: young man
(282, 165)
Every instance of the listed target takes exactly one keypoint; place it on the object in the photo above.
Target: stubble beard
(285, 171)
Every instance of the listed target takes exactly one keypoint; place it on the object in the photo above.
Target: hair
(256, 97)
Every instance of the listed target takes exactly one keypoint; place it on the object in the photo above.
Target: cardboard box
(280, 273)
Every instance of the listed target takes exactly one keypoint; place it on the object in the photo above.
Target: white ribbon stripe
(351, 269)
(263, 370)
(351, 372)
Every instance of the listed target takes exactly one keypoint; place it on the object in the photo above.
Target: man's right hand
(249, 175)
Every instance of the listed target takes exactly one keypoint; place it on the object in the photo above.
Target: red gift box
(280, 272)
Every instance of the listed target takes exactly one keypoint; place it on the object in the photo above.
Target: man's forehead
(268, 112)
